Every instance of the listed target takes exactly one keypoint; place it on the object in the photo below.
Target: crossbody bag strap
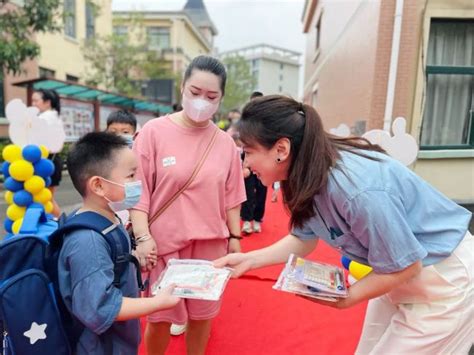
(196, 170)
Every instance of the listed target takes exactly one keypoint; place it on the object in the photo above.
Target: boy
(102, 169)
(123, 123)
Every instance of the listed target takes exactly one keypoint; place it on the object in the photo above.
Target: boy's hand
(165, 298)
(234, 246)
(144, 253)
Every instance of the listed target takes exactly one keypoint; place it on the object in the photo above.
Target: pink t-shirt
(168, 154)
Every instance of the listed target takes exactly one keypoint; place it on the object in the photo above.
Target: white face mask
(199, 110)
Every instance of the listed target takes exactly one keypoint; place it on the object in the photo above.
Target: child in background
(123, 123)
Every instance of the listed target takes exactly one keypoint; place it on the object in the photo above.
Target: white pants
(433, 313)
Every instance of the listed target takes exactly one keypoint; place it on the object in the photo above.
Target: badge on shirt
(168, 161)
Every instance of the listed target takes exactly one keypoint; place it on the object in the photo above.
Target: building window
(158, 38)
(282, 66)
(448, 118)
(281, 77)
(72, 78)
(317, 34)
(46, 73)
(121, 31)
(280, 89)
(255, 64)
(90, 20)
(70, 18)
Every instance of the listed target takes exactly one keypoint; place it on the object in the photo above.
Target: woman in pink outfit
(203, 221)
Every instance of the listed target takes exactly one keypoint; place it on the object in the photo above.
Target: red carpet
(255, 319)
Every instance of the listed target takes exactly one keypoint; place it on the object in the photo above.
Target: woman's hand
(146, 253)
(240, 262)
(341, 303)
(234, 246)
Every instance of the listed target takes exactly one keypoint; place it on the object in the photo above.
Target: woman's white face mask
(199, 109)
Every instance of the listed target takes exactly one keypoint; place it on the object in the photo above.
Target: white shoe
(177, 329)
(257, 228)
(247, 227)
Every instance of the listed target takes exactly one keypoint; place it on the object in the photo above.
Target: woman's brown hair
(314, 151)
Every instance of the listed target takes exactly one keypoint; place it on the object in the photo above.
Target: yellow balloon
(17, 226)
(44, 152)
(9, 197)
(43, 196)
(21, 170)
(35, 184)
(48, 207)
(15, 212)
(11, 153)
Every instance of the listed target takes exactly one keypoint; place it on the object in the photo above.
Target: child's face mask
(133, 191)
(128, 138)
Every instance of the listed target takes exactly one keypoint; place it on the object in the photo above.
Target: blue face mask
(128, 138)
(133, 192)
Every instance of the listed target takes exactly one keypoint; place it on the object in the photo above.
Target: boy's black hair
(93, 155)
(256, 94)
(122, 116)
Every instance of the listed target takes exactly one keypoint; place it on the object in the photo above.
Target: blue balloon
(5, 167)
(345, 262)
(22, 198)
(32, 153)
(8, 225)
(44, 168)
(13, 185)
(48, 181)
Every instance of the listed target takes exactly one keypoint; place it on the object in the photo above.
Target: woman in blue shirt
(349, 193)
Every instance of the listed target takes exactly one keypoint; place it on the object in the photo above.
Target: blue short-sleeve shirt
(382, 214)
(86, 274)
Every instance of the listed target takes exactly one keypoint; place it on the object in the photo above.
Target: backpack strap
(114, 236)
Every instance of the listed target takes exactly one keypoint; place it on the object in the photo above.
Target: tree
(118, 65)
(111, 62)
(240, 82)
(18, 24)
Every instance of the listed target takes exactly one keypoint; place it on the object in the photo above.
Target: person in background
(49, 106)
(123, 123)
(253, 209)
(177, 107)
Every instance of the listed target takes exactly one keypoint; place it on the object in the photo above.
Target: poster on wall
(105, 111)
(78, 118)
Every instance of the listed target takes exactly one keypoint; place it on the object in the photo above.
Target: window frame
(450, 70)
(70, 13)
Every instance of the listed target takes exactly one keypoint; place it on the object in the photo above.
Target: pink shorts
(188, 308)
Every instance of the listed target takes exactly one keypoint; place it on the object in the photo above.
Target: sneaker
(247, 228)
(257, 228)
(177, 329)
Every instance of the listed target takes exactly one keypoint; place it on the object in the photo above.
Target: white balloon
(401, 146)
(342, 130)
(26, 127)
(377, 136)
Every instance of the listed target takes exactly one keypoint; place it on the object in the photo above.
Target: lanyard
(331, 231)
